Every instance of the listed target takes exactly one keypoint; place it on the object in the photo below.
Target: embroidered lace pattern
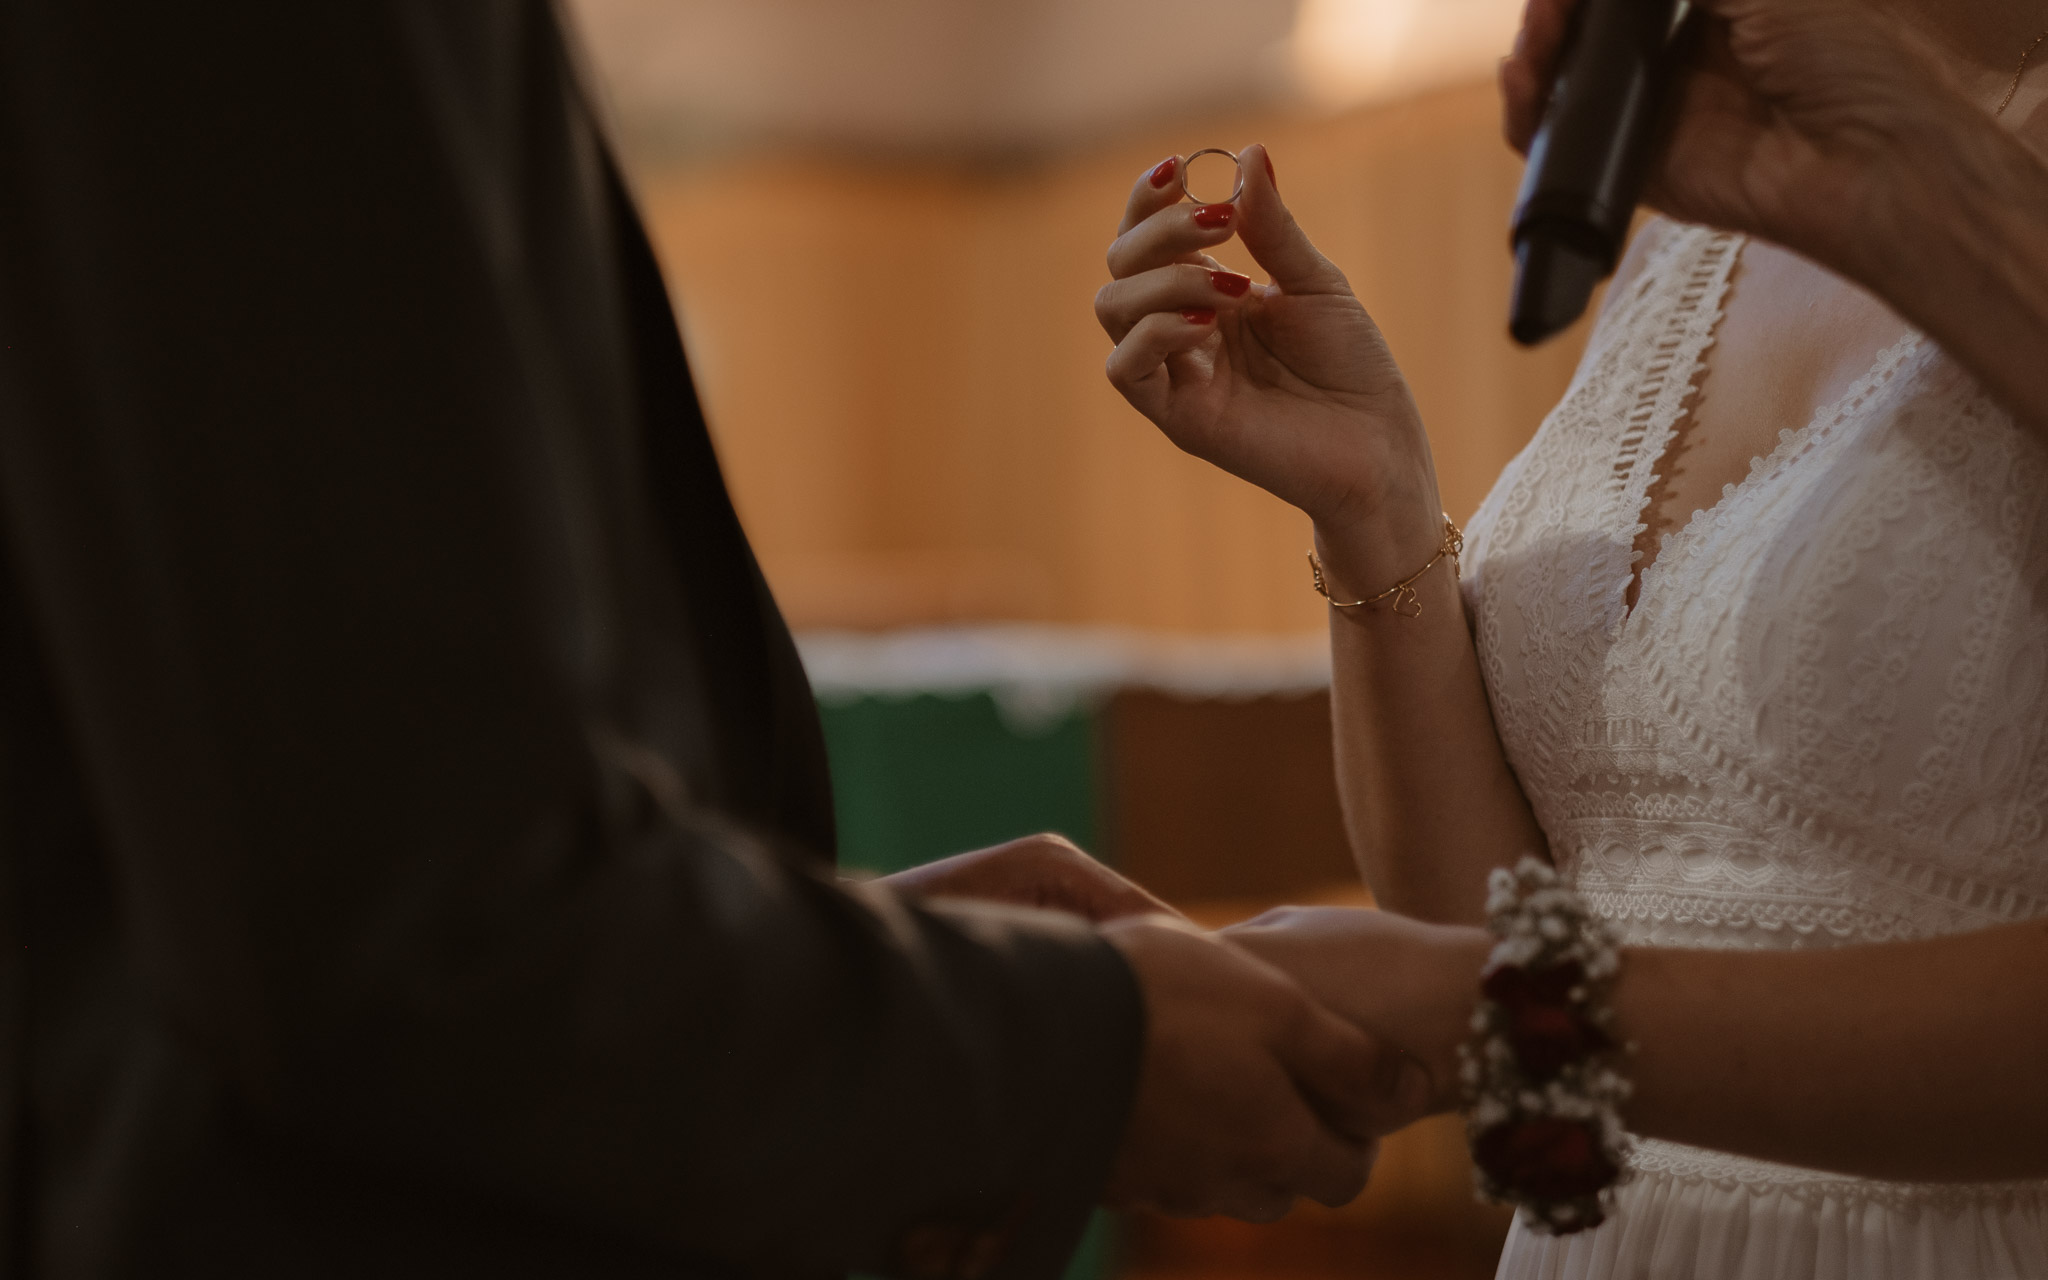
(1823, 721)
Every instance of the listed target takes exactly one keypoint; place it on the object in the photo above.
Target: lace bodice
(1823, 722)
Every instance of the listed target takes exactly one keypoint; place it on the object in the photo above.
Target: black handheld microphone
(1588, 162)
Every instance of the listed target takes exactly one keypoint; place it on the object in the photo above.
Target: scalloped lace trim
(1667, 391)
(1813, 1187)
(1702, 304)
(1793, 444)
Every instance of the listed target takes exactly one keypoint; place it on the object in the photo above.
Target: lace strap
(1694, 287)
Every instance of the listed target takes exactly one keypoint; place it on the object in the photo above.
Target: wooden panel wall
(1216, 798)
(905, 377)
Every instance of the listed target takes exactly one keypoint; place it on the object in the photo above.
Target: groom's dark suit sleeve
(414, 840)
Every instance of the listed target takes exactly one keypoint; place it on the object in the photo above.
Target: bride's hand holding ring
(1287, 384)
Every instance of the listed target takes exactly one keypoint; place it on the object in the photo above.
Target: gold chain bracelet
(1407, 603)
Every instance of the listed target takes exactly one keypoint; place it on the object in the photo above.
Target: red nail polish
(1164, 173)
(1211, 216)
(1229, 283)
(1270, 179)
(1199, 315)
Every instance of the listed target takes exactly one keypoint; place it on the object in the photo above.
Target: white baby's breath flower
(1540, 922)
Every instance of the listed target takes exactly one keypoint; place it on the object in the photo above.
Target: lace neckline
(1698, 317)
(1793, 444)
(1830, 722)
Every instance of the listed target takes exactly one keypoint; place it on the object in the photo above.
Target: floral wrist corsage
(1541, 1091)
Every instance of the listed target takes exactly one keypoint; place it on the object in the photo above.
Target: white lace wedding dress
(1822, 724)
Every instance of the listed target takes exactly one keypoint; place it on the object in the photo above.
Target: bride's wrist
(1456, 957)
(1379, 517)
(1365, 555)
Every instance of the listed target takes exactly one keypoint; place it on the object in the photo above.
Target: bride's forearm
(1920, 1060)
(1915, 1061)
(1960, 249)
(1430, 803)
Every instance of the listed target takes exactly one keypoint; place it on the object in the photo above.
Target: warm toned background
(884, 223)
(905, 376)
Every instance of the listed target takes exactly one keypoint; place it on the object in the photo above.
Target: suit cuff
(1085, 1018)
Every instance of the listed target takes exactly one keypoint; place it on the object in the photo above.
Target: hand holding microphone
(1589, 157)
(1805, 122)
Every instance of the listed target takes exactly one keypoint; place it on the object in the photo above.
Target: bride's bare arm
(1913, 1061)
(1289, 385)
(1419, 766)
(1973, 204)
(1919, 1060)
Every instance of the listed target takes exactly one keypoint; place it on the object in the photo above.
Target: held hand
(1250, 1094)
(1413, 984)
(1045, 871)
(1796, 123)
(1289, 384)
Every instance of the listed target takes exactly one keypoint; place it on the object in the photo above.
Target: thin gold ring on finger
(1187, 166)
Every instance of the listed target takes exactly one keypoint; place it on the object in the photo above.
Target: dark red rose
(1544, 1028)
(1512, 986)
(1547, 1039)
(1545, 1158)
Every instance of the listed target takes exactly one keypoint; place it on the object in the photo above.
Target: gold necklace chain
(2014, 87)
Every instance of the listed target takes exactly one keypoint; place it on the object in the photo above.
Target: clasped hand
(1250, 1093)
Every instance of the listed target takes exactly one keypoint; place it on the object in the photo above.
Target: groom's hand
(1049, 872)
(1250, 1094)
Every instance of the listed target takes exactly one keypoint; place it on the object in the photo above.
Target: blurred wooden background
(904, 377)
(904, 373)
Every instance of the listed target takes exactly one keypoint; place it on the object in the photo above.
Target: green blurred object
(921, 776)
(917, 777)
(1095, 1257)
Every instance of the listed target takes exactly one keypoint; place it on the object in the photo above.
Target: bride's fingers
(1137, 367)
(1275, 239)
(1121, 304)
(1155, 189)
(1177, 233)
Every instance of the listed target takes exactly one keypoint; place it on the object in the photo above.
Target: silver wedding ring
(1187, 166)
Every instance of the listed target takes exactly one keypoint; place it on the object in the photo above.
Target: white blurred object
(976, 75)
(1039, 675)
(947, 74)
(1346, 52)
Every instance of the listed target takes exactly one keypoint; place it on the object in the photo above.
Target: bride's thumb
(1275, 240)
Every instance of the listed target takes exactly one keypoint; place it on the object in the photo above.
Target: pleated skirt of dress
(1688, 1214)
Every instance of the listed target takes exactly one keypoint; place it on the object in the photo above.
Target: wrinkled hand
(1045, 871)
(1250, 1094)
(1412, 984)
(1287, 384)
(1798, 121)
